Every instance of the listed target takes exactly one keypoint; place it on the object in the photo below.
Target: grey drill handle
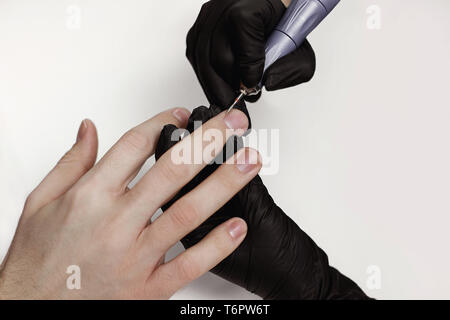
(300, 18)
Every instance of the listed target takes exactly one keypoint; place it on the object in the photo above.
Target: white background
(364, 163)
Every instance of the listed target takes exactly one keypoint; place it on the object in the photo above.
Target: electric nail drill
(299, 20)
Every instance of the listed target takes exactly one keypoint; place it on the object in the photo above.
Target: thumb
(69, 169)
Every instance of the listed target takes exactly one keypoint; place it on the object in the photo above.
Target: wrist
(11, 288)
(3, 292)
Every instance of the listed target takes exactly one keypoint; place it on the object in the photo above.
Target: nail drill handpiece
(299, 20)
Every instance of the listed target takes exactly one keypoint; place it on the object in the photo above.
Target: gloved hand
(277, 260)
(226, 46)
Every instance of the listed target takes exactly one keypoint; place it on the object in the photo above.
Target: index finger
(122, 162)
(170, 173)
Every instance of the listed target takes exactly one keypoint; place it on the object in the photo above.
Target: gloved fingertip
(251, 71)
(271, 83)
(251, 74)
(198, 116)
(170, 135)
(168, 129)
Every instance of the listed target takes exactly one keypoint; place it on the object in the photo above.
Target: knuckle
(77, 196)
(190, 45)
(110, 241)
(175, 173)
(184, 214)
(188, 268)
(226, 179)
(73, 159)
(205, 6)
(137, 141)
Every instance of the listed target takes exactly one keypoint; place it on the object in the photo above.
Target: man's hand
(85, 215)
(226, 46)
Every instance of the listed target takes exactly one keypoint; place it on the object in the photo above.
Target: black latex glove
(277, 260)
(226, 46)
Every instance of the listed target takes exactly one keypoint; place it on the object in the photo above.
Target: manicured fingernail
(247, 160)
(237, 228)
(182, 115)
(82, 130)
(236, 120)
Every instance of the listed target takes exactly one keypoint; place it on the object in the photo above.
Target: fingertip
(237, 229)
(251, 71)
(182, 116)
(251, 75)
(270, 83)
(91, 129)
(87, 140)
(236, 120)
(248, 161)
(170, 135)
(82, 129)
(86, 128)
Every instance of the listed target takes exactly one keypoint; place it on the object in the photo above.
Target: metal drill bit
(239, 98)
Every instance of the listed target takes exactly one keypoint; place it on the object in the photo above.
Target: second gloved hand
(277, 260)
(226, 46)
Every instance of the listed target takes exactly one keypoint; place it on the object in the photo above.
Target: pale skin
(286, 2)
(84, 214)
